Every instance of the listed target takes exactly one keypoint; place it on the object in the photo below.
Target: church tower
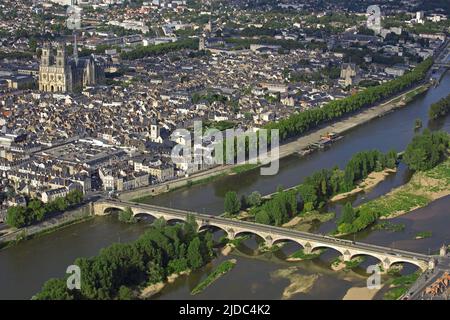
(60, 56)
(44, 76)
(45, 57)
(60, 73)
(62, 70)
(154, 130)
(202, 43)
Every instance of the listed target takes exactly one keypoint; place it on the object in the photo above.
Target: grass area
(395, 293)
(400, 285)
(221, 269)
(423, 188)
(237, 241)
(300, 254)
(244, 167)
(144, 199)
(336, 261)
(424, 234)
(389, 226)
(411, 95)
(353, 263)
(316, 216)
(398, 202)
(408, 97)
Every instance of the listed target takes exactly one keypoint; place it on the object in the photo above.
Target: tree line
(36, 210)
(314, 192)
(160, 251)
(159, 49)
(424, 152)
(440, 108)
(301, 122)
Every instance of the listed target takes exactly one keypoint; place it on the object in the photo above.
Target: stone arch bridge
(272, 235)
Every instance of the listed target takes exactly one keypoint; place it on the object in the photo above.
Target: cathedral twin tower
(60, 73)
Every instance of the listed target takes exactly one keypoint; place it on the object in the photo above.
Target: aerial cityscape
(224, 150)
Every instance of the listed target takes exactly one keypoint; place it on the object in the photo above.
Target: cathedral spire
(75, 47)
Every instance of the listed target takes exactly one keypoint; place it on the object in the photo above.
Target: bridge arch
(379, 260)
(214, 228)
(174, 220)
(418, 264)
(145, 214)
(339, 251)
(108, 210)
(251, 233)
(288, 240)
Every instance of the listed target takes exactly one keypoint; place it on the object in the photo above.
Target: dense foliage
(36, 210)
(440, 108)
(127, 216)
(231, 203)
(301, 122)
(159, 49)
(423, 153)
(426, 150)
(279, 209)
(161, 251)
(321, 186)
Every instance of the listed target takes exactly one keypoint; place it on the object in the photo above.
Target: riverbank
(285, 149)
(151, 290)
(64, 220)
(361, 293)
(372, 180)
(305, 221)
(423, 188)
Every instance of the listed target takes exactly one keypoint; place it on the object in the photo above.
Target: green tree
(37, 210)
(440, 108)
(54, 289)
(194, 256)
(309, 196)
(426, 150)
(127, 215)
(74, 197)
(125, 293)
(263, 217)
(348, 214)
(17, 217)
(60, 204)
(231, 203)
(254, 199)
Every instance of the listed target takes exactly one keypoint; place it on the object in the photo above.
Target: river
(26, 266)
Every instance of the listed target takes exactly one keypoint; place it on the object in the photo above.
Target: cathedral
(60, 73)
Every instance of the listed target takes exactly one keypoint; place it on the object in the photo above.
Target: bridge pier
(347, 256)
(386, 264)
(269, 241)
(307, 248)
(231, 234)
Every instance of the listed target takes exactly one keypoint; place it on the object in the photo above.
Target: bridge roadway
(272, 235)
